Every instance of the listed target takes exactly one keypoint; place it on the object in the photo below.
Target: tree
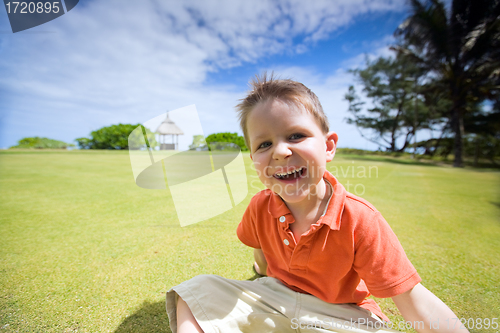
(483, 134)
(227, 137)
(398, 111)
(83, 143)
(42, 143)
(198, 142)
(113, 137)
(461, 49)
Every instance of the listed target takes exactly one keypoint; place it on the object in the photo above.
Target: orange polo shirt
(349, 253)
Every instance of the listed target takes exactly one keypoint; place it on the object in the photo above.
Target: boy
(323, 249)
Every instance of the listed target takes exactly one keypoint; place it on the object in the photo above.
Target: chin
(295, 198)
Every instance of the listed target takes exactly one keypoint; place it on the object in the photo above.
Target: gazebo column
(168, 128)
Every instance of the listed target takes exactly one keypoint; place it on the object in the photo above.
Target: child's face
(284, 139)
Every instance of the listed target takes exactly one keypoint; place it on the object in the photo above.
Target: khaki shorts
(264, 305)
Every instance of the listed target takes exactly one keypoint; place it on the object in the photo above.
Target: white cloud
(121, 61)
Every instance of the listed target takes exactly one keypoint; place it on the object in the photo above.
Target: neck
(311, 208)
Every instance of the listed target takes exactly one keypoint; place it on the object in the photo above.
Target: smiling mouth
(290, 175)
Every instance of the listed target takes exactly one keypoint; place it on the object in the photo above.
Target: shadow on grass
(495, 203)
(481, 166)
(151, 317)
(256, 276)
(392, 160)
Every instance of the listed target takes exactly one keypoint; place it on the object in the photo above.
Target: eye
(296, 136)
(264, 145)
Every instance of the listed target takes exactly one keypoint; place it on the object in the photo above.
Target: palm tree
(460, 49)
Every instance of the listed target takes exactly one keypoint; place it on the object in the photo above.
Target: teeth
(289, 172)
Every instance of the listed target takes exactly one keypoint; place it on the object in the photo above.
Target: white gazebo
(166, 128)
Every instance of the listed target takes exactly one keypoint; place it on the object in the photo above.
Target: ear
(251, 157)
(331, 145)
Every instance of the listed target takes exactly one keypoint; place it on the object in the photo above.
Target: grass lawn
(83, 249)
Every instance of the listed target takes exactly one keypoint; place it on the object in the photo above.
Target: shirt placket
(298, 253)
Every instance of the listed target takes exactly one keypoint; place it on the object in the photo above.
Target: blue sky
(117, 61)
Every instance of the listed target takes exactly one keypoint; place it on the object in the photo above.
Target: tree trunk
(476, 152)
(395, 126)
(457, 120)
(457, 124)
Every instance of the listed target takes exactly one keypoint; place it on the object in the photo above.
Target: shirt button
(282, 219)
(286, 241)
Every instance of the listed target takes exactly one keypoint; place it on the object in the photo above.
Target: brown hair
(266, 88)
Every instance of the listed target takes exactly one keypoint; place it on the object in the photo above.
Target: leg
(186, 323)
(223, 305)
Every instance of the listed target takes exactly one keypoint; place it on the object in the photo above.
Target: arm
(260, 262)
(420, 305)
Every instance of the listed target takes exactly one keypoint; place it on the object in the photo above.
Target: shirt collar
(333, 214)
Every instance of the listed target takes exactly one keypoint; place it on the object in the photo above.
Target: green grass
(83, 249)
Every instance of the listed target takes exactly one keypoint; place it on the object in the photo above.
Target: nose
(281, 150)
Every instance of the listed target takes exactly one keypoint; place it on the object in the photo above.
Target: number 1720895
(32, 7)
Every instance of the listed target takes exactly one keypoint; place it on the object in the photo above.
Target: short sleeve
(380, 259)
(247, 231)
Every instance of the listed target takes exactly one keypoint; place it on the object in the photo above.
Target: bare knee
(186, 323)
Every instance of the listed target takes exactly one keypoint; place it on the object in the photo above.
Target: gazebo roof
(169, 127)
